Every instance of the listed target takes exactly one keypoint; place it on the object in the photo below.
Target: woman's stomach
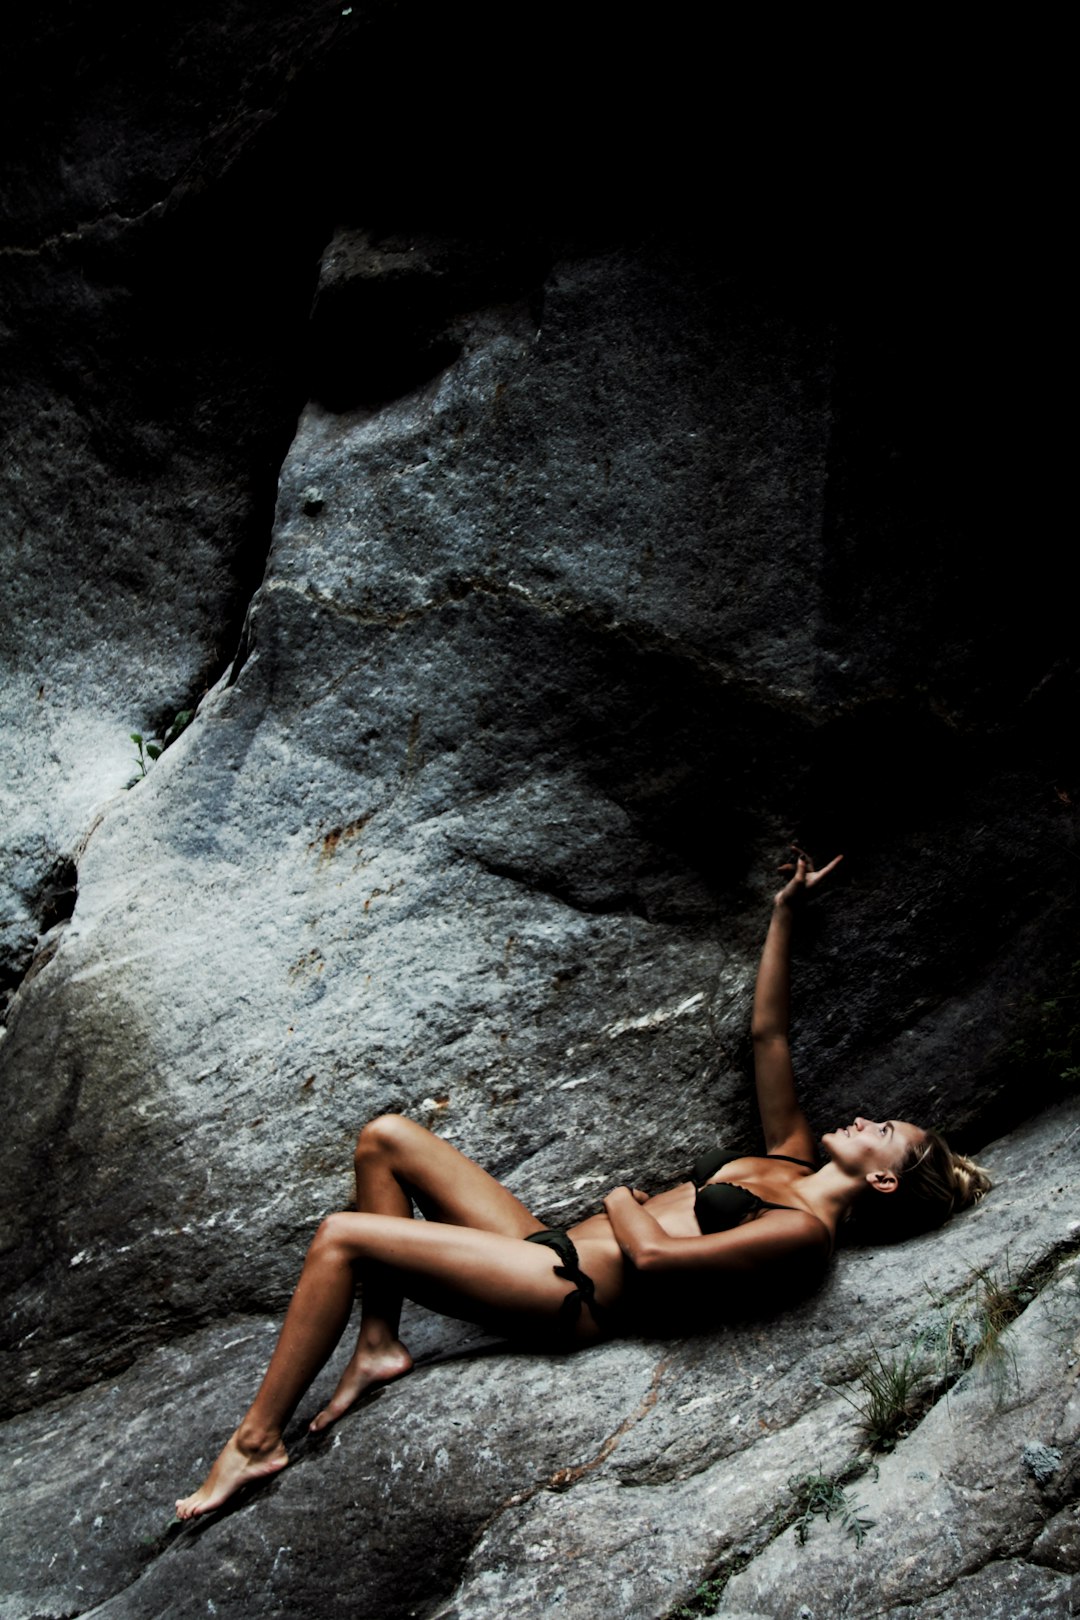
(672, 1210)
(601, 1258)
(598, 1248)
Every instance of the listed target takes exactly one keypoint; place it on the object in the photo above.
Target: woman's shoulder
(800, 1256)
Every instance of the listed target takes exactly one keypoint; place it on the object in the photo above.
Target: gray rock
(447, 813)
(491, 1480)
(600, 563)
(968, 1509)
(1001, 1591)
(400, 832)
(1059, 1544)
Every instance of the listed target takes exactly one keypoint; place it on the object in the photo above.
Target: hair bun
(972, 1181)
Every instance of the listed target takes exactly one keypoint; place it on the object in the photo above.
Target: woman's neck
(830, 1192)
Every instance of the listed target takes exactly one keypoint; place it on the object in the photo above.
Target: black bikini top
(723, 1204)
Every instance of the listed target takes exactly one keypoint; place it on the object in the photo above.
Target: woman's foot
(367, 1367)
(238, 1465)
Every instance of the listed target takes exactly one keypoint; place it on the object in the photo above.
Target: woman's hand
(636, 1194)
(806, 878)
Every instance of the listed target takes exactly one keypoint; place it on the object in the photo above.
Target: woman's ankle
(376, 1339)
(256, 1439)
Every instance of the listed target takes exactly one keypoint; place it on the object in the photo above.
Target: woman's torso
(771, 1181)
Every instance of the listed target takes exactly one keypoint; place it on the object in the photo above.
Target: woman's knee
(334, 1234)
(386, 1136)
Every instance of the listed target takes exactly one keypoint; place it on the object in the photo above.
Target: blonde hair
(934, 1183)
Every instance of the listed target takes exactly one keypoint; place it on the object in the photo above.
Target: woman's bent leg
(396, 1161)
(380, 1355)
(317, 1316)
(479, 1276)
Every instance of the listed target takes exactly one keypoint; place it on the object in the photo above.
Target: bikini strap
(570, 1271)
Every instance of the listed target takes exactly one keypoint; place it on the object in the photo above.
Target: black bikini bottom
(570, 1270)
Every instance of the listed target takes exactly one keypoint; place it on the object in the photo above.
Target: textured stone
(491, 1481)
(960, 1487)
(601, 562)
(432, 813)
(1059, 1544)
(1004, 1591)
(481, 809)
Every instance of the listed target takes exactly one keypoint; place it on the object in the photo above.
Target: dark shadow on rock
(385, 315)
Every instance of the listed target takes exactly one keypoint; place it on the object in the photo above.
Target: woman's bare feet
(367, 1367)
(237, 1465)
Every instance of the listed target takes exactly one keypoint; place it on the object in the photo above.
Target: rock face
(601, 564)
(635, 1472)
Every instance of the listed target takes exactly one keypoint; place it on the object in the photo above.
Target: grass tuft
(822, 1494)
(886, 1402)
(997, 1303)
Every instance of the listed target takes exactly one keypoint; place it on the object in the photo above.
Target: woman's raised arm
(782, 1120)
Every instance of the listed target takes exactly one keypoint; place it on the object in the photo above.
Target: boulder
(527, 578)
(641, 1470)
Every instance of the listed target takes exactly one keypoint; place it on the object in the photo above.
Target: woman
(771, 1218)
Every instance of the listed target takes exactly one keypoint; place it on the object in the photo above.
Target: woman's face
(873, 1148)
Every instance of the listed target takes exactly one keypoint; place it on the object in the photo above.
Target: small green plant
(993, 1304)
(885, 1404)
(149, 751)
(141, 760)
(822, 1494)
(704, 1600)
(997, 1303)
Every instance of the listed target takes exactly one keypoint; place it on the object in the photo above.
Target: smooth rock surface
(478, 829)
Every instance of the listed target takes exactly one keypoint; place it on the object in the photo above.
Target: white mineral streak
(652, 1020)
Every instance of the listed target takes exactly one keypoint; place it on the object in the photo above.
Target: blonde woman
(767, 1220)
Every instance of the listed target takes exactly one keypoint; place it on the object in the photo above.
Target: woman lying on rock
(481, 1256)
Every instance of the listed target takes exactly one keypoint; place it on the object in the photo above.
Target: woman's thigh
(486, 1277)
(448, 1186)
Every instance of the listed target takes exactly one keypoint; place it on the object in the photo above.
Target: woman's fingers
(816, 877)
(809, 859)
(804, 868)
